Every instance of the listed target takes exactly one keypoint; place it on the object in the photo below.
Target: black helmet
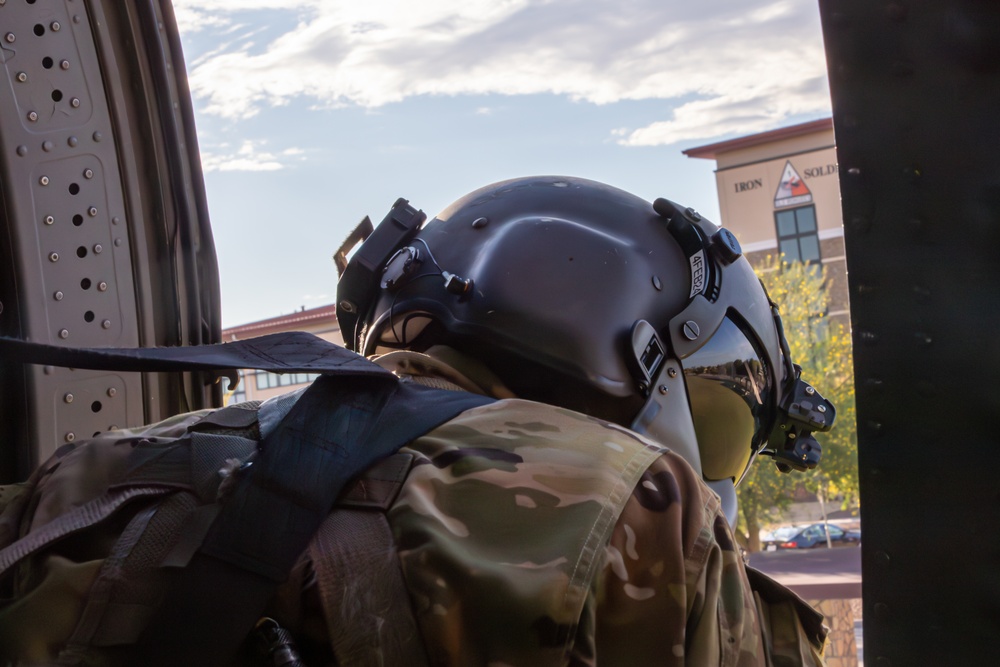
(581, 295)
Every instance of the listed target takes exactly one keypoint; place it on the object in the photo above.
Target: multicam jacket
(533, 535)
(524, 534)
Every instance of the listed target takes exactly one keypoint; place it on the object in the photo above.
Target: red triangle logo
(792, 190)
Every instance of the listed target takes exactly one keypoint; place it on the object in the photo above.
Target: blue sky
(314, 113)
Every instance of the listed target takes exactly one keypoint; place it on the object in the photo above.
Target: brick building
(779, 192)
(261, 385)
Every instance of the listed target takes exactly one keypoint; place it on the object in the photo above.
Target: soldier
(578, 295)
(583, 517)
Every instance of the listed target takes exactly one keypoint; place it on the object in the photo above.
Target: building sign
(792, 189)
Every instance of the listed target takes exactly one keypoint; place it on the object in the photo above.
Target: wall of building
(785, 177)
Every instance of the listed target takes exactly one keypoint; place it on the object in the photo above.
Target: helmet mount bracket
(361, 277)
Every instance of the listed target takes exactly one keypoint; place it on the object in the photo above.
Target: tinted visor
(731, 395)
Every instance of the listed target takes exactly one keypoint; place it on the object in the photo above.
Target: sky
(312, 114)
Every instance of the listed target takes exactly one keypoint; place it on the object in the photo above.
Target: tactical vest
(490, 527)
(205, 509)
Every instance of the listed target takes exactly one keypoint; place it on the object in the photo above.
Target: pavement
(814, 574)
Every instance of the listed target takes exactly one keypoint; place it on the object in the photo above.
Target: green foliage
(823, 348)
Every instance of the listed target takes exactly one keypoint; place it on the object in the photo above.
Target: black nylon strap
(288, 352)
(353, 416)
(337, 429)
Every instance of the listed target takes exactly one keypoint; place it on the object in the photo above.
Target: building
(779, 192)
(257, 385)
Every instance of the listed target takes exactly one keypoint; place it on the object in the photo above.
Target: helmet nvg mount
(581, 295)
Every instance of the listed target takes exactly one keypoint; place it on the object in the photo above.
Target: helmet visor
(731, 395)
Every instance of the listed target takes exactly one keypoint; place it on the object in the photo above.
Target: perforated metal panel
(916, 91)
(106, 233)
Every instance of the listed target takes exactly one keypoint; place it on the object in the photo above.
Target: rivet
(874, 426)
(92, 211)
(33, 116)
(98, 136)
(854, 171)
(55, 26)
(102, 286)
(113, 427)
(64, 64)
(22, 150)
(479, 223)
(347, 306)
(791, 436)
(10, 37)
(112, 392)
(657, 284)
(44, 180)
(923, 339)
(861, 223)
(691, 330)
(47, 146)
(73, 141)
(810, 391)
(98, 248)
(672, 372)
(75, 102)
(76, 18)
(70, 437)
(22, 77)
(106, 324)
(88, 173)
(115, 220)
(868, 337)
(662, 389)
(48, 370)
(53, 257)
(882, 558)
(68, 398)
(58, 296)
(118, 243)
(692, 214)
(895, 11)
(49, 220)
(821, 408)
(64, 333)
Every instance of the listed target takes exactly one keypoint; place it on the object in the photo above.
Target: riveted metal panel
(916, 89)
(105, 232)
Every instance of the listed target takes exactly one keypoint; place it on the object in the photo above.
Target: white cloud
(250, 156)
(738, 65)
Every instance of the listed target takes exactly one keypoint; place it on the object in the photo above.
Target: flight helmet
(582, 295)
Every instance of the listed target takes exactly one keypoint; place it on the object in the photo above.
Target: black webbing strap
(354, 415)
(288, 352)
(337, 429)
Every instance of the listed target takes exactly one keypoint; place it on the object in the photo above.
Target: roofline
(281, 322)
(710, 151)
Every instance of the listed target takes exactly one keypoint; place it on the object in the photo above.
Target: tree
(823, 348)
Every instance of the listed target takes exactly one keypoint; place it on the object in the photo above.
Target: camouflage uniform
(526, 535)
(533, 535)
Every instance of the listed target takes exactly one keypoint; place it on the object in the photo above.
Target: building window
(798, 238)
(267, 380)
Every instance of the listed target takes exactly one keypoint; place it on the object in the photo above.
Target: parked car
(810, 537)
